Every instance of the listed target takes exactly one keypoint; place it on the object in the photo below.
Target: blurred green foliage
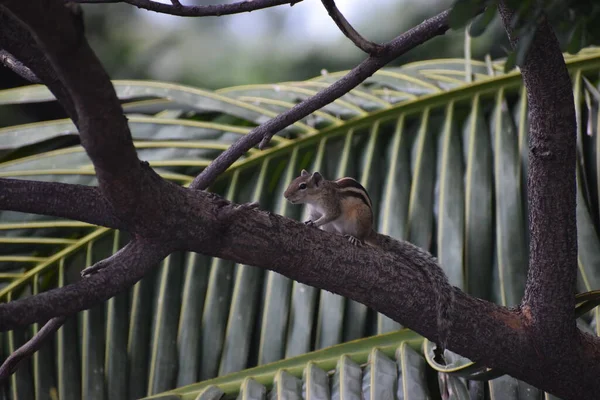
(288, 43)
(272, 45)
(574, 21)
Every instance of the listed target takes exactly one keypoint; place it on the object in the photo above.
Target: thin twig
(18, 41)
(262, 134)
(215, 10)
(17, 67)
(9, 366)
(347, 29)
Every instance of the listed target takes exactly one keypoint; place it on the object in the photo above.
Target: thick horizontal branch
(214, 10)
(76, 202)
(430, 28)
(391, 280)
(347, 29)
(549, 302)
(394, 281)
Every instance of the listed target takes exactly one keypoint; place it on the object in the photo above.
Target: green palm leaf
(443, 158)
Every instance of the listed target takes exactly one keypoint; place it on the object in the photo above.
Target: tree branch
(58, 32)
(118, 272)
(9, 366)
(76, 202)
(549, 300)
(347, 29)
(391, 280)
(430, 28)
(129, 253)
(215, 10)
(10, 62)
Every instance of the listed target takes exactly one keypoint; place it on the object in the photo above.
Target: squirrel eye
(302, 186)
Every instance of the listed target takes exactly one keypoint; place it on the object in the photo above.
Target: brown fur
(343, 205)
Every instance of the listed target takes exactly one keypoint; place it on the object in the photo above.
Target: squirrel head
(306, 188)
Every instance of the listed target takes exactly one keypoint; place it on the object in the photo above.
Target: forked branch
(103, 129)
(390, 281)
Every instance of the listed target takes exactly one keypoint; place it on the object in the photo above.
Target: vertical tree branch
(549, 301)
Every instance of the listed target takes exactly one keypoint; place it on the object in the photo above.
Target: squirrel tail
(445, 304)
(444, 291)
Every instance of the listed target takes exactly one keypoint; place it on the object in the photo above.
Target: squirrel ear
(304, 173)
(317, 177)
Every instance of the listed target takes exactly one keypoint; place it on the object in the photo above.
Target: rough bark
(58, 200)
(549, 301)
(537, 342)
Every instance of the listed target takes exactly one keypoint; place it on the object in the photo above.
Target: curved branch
(76, 202)
(116, 273)
(347, 29)
(129, 253)
(215, 10)
(430, 28)
(10, 365)
(549, 300)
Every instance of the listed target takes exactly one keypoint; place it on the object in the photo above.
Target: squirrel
(344, 206)
(341, 206)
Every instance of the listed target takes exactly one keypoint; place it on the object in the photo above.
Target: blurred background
(272, 45)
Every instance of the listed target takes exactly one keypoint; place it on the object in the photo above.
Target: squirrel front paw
(353, 240)
(309, 222)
